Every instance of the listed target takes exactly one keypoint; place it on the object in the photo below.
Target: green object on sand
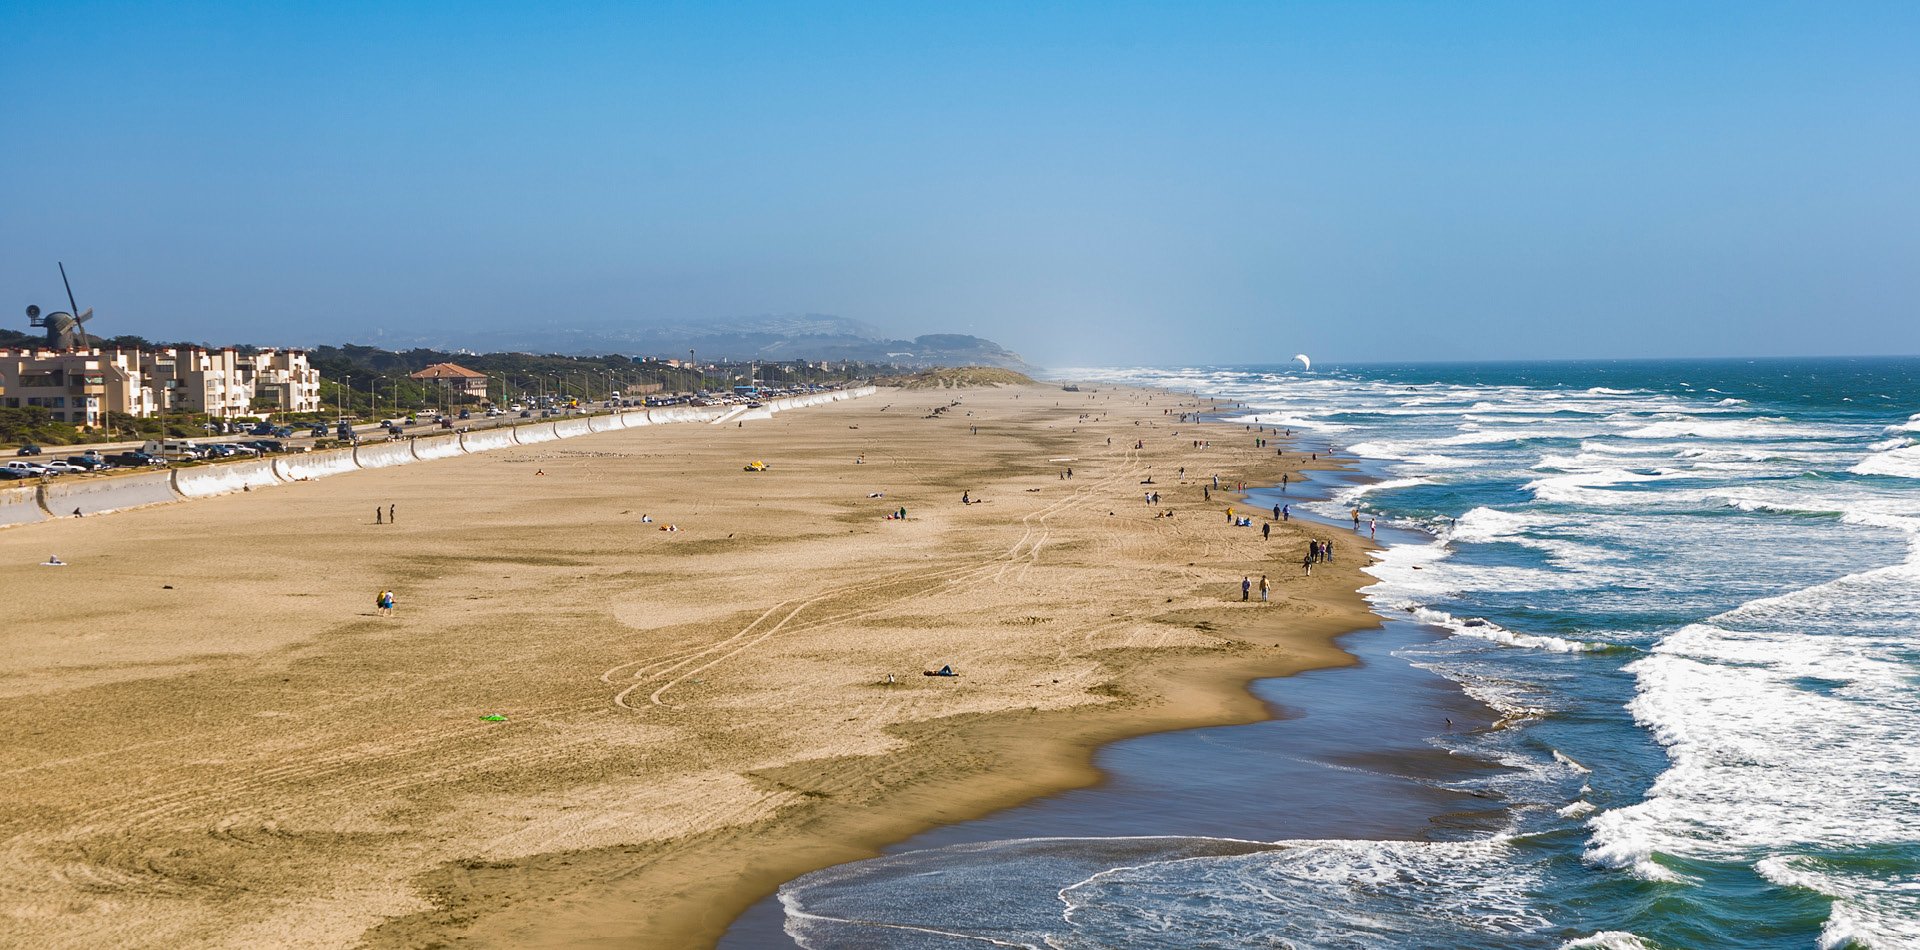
(493, 717)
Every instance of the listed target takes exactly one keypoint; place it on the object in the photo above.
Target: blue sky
(1086, 183)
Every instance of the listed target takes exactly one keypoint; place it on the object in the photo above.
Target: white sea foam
(1608, 940)
(1902, 462)
(1106, 892)
(1782, 702)
(1591, 487)
(1759, 427)
(1483, 629)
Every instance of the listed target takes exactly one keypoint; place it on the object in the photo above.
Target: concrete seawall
(486, 440)
(20, 504)
(299, 468)
(98, 494)
(539, 432)
(208, 480)
(382, 454)
(95, 496)
(437, 447)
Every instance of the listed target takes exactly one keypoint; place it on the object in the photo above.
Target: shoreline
(1309, 798)
(754, 741)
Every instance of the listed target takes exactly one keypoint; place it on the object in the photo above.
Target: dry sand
(214, 740)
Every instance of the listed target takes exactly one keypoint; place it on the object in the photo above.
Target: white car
(62, 468)
(32, 468)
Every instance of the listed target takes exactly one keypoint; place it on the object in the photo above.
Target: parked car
(89, 463)
(466, 413)
(28, 449)
(135, 459)
(30, 468)
(62, 467)
(267, 445)
(238, 448)
(526, 413)
(320, 431)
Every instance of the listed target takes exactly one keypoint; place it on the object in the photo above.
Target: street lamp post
(339, 405)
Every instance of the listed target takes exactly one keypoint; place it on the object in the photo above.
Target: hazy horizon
(1086, 185)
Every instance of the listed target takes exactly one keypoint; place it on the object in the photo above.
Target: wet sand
(1335, 761)
(219, 742)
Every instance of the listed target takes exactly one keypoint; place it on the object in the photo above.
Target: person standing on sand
(1265, 588)
(1246, 584)
(1286, 512)
(1276, 511)
(1307, 563)
(376, 515)
(390, 517)
(1373, 527)
(384, 601)
(1266, 530)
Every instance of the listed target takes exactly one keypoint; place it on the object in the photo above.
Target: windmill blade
(72, 307)
(84, 317)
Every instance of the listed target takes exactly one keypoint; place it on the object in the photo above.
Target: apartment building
(81, 387)
(76, 387)
(282, 380)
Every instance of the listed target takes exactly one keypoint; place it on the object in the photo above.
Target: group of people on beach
(1319, 550)
(1246, 587)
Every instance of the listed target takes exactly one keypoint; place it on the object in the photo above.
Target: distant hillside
(956, 377)
(808, 336)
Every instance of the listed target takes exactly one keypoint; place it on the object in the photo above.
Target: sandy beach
(216, 739)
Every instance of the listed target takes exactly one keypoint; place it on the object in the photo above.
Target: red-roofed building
(455, 379)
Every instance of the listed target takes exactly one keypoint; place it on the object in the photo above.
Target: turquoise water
(1688, 589)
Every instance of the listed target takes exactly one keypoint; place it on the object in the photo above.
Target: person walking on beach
(1286, 512)
(390, 517)
(1246, 585)
(1356, 519)
(1276, 511)
(1373, 527)
(1266, 530)
(1307, 563)
(376, 515)
(1265, 588)
(384, 601)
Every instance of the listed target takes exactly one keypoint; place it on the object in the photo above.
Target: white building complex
(80, 387)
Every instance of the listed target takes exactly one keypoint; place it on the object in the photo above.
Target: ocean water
(1689, 589)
